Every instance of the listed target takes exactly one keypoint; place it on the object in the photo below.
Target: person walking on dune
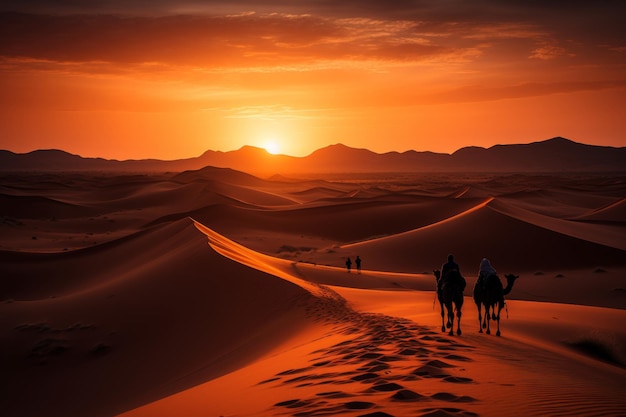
(348, 264)
(357, 261)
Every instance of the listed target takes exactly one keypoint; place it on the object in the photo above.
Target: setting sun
(279, 186)
(272, 147)
(294, 77)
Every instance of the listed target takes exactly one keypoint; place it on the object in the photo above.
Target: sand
(214, 293)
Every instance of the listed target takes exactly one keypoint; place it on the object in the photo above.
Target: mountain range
(553, 155)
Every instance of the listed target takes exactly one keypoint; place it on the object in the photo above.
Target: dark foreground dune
(112, 303)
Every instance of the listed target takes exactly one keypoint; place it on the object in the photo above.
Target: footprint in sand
(380, 352)
(334, 394)
(458, 380)
(386, 387)
(375, 366)
(408, 396)
(309, 408)
(457, 358)
(446, 412)
(365, 377)
(446, 396)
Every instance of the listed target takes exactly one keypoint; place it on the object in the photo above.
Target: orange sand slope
(112, 303)
(166, 317)
(373, 357)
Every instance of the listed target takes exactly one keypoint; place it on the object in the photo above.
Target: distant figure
(357, 261)
(348, 264)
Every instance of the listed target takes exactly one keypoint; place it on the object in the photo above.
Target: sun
(272, 147)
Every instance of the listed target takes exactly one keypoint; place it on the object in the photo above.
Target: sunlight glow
(272, 147)
(295, 77)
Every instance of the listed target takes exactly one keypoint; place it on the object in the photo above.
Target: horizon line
(260, 148)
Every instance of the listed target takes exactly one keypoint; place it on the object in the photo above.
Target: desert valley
(216, 292)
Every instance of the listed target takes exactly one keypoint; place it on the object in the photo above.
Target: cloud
(211, 41)
(479, 93)
(296, 47)
(549, 52)
(273, 113)
(282, 32)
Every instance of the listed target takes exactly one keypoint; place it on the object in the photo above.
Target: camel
(490, 293)
(450, 291)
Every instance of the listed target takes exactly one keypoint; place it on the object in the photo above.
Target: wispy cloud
(249, 40)
(548, 51)
(210, 41)
(322, 68)
(276, 112)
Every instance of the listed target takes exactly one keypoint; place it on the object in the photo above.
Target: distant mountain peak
(557, 154)
(251, 148)
(559, 140)
(340, 148)
(336, 146)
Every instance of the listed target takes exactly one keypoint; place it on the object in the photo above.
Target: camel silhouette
(450, 292)
(490, 293)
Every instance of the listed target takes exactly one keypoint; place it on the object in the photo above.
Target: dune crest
(139, 327)
(217, 293)
(432, 225)
(253, 259)
(376, 359)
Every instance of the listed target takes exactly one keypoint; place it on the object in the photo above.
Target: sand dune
(612, 212)
(141, 330)
(517, 245)
(377, 359)
(112, 302)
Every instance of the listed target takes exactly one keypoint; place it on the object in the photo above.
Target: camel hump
(454, 277)
(493, 280)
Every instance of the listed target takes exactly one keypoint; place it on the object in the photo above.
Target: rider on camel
(484, 270)
(447, 268)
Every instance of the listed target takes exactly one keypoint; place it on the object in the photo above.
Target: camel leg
(450, 319)
(498, 319)
(485, 317)
(480, 318)
(458, 324)
(443, 325)
(488, 320)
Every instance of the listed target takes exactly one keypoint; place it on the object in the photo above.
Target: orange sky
(172, 79)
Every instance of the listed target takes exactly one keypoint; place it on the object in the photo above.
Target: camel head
(437, 274)
(510, 280)
(511, 277)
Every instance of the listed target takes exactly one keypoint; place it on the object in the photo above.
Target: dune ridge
(513, 252)
(447, 219)
(143, 308)
(372, 362)
(224, 294)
